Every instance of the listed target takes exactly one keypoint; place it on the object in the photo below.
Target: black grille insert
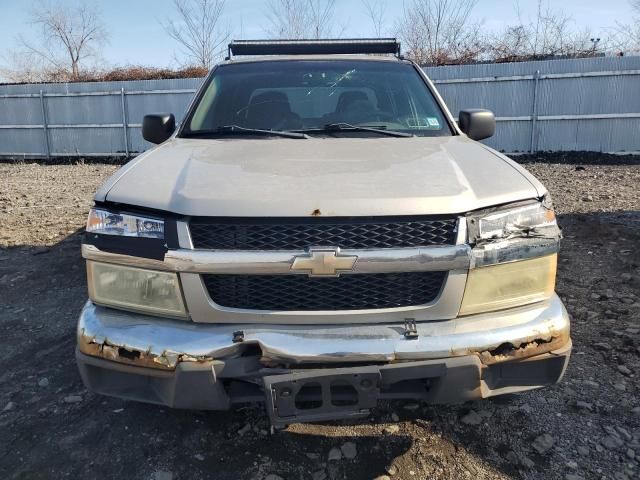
(301, 233)
(303, 293)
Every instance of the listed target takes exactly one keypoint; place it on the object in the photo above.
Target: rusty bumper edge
(148, 341)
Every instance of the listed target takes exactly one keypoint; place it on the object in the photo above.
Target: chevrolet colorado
(318, 234)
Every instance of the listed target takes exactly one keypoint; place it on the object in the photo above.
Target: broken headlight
(514, 256)
(512, 221)
(109, 223)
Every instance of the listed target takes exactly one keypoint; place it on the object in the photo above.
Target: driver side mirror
(157, 127)
(477, 123)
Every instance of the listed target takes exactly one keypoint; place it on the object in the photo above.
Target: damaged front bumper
(205, 366)
(153, 342)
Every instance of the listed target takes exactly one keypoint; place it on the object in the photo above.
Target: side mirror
(156, 128)
(477, 123)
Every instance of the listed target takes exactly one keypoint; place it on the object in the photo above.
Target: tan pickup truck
(318, 234)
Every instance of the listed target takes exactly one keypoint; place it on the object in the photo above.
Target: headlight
(506, 285)
(109, 223)
(136, 289)
(513, 221)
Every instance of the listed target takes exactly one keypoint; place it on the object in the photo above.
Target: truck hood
(320, 176)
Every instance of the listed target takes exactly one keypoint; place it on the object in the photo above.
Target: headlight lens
(504, 223)
(506, 285)
(109, 223)
(136, 289)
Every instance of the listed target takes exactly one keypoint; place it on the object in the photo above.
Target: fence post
(44, 125)
(533, 145)
(124, 122)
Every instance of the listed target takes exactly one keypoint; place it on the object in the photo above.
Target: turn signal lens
(125, 225)
(507, 285)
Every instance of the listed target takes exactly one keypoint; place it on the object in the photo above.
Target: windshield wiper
(343, 126)
(238, 130)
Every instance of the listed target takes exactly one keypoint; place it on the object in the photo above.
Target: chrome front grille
(301, 233)
(244, 265)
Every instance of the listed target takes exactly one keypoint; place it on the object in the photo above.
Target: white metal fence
(85, 119)
(584, 104)
(555, 105)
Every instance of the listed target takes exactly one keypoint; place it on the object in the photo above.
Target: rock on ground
(543, 443)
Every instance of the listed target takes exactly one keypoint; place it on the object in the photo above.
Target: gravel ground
(588, 426)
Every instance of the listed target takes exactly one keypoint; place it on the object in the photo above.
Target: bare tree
(547, 33)
(287, 19)
(68, 35)
(626, 36)
(296, 19)
(23, 67)
(376, 11)
(440, 31)
(635, 38)
(198, 30)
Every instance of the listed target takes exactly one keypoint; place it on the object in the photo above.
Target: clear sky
(137, 36)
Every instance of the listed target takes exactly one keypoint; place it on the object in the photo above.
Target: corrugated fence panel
(589, 95)
(22, 142)
(77, 141)
(591, 135)
(579, 65)
(20, 111)
(67, 119)
(90, 87)
(506, 99)
(603, 92)
(511, 136)
(25, 111)
(86, 118)
(139, 105)
(572, 104)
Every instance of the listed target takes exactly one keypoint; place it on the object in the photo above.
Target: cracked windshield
(361, 98)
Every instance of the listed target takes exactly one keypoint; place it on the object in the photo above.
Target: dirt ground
(588, 426)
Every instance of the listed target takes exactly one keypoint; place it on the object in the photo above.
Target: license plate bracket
(320, 395)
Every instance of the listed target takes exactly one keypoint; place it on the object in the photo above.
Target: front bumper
(204, 366)
(154, 342)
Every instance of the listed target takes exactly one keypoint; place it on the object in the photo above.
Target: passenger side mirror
(477, 123)
(157, 127)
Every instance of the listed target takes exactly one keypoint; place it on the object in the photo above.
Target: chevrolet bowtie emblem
(324, 262)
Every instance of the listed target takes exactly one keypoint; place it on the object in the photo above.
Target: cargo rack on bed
(315, 47)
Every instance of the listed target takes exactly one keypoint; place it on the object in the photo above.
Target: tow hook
(238, 336)
(410, 329)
